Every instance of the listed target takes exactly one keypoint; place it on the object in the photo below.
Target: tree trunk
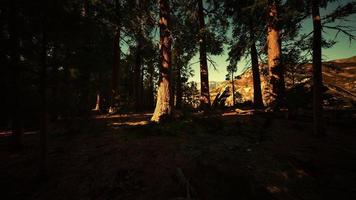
(44, 109)
(137, 75)
(317, 72)
(53, 80)
(175, 55)
(257, 94)
(115, 70)
(97, 102)
(276, 71)
(138, 86)
(233, 89)
(179, 91)
(151, 86)
(142, 90)
(84, 107)
(204, 76)
(17, 118)
(163, 108)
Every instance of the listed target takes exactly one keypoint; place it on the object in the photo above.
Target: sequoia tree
(163, 107)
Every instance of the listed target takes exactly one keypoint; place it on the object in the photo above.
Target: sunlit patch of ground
(139, 123)
(8, 133)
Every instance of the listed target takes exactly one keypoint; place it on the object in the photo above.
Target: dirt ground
(225, 156)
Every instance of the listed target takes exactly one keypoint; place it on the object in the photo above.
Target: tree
(204, 75)
(257, 93)
(117, 59)
(276, 70)
(231, 69)
(248, 26)
(44, 101)
(163, 106)
(17, 113)
(183, 49)
(338, 14)
(317, 71)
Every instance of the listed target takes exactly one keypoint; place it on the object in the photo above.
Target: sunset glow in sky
(342, 49)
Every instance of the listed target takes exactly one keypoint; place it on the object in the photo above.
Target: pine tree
(276, 70)
(204, 74)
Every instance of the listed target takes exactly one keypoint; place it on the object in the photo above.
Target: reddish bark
(276, 70)
(163, 107)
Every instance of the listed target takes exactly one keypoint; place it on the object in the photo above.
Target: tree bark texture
(276, 70)
(163, 107)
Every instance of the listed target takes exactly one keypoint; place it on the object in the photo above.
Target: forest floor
(221, 156)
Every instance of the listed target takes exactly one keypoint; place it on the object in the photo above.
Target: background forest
(73, 67)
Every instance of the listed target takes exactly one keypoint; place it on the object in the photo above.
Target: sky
(342, 49)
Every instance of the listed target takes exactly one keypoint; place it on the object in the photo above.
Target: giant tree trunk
(276, 71)
(17, 115)
(204, 76)
(163, 108)
(317, 71)
(115, 70)
(257, 94)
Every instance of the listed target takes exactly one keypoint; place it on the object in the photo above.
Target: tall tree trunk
(97, 102)
(54, 82)
(115, 70)
(204, 76)
(44, 108)
(163, 108)
(151, 86)
(317, 72)
(179, 90)
(257, 94)
(174, 75)
(138, 86)
(142, 90)
(233, 88)
(137, 75)
(84, 107)
(17, 118)
(276, 71)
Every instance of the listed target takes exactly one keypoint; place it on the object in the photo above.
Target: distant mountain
(212, 84)
(339, 77)
(345, 60)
